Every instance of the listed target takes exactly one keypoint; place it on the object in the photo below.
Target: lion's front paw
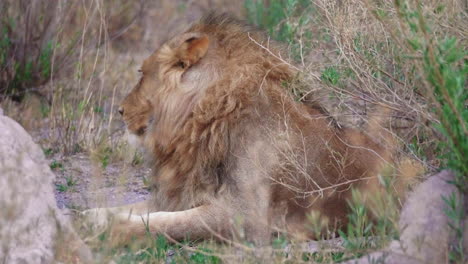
(97, 219)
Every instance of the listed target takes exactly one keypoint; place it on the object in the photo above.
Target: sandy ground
(94, 186)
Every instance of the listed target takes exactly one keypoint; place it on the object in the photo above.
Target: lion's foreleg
(98, 218)
(142, 207)
(200, 222)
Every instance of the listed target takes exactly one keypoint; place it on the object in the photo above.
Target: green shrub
(440, 64)
(331, 75)
(285, 21)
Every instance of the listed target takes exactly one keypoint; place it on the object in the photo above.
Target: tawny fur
(232, 149)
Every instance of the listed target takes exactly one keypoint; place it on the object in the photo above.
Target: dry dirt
(94, 186)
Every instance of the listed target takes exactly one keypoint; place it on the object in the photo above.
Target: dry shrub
(27, 40)
(361, 53)
(55, 49)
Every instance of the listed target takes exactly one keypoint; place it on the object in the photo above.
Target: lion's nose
(121, 110)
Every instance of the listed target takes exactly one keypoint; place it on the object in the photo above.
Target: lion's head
(175, 77)
(171, 79)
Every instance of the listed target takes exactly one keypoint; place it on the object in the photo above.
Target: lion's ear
(193, 49)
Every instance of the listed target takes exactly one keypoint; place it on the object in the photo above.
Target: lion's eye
(140, 71)
(180, 64)
(141, 130)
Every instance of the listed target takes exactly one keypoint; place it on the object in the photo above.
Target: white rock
(424, 226)
(30, 222)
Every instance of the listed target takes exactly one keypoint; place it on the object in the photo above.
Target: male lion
(232, 149)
